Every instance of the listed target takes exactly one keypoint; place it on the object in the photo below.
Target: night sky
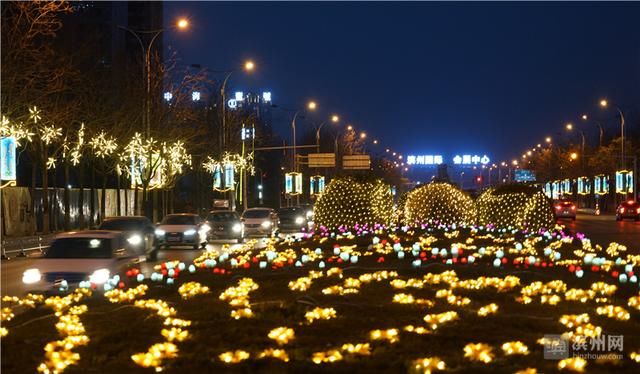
(429, 78)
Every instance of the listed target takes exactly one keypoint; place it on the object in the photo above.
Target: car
(225, 224)
(139, 231)
(183, 229)
(293, 219)
(260, 222)
(628, 209)
(564, 209)
(308, 211)
(94, 257)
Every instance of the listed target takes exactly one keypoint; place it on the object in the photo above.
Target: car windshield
(288, 212)
(179, 220)
(223, 217)
(258, 213)
(80, 248)
(122, 224)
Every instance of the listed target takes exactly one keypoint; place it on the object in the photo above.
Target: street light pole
(223, 96)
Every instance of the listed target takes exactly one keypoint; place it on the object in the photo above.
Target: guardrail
(19, 247)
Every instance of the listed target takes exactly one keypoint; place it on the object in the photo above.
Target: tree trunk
(103, 198)
(67, 198)
(92, 195)
(45, 193)
(118, 210)
(81, 220)
(32, 192)
(135, 200)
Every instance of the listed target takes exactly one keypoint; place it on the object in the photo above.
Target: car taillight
(573, 207)
(558, 207)
(621, 210)
(638, 210)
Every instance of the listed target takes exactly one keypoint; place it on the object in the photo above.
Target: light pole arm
(223, 90)
(293, 128)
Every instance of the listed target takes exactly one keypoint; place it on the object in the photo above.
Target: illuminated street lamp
(574, 156)
(569, 126)
(248, 66)
(363, 135)
(181, 24)
(335, 118)
(548, 139)
(586, 118)
(605, 104)
(311, 105)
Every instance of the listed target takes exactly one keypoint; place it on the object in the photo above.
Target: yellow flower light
(478, 352)
(175, 334)
(192, 289)
(488, 309)
(577, 364)
(427, 365)
(515, 348)
(282, 335)
(279, 354)
(391, 335)
(613, 311)
(233, 357)
(320, 313)
(435, 319)
(360, 349)
(330, 356)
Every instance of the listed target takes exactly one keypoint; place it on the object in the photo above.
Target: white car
(93, 257)
(260, 222)
(182, 230)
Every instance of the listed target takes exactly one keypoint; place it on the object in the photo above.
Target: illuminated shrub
(515, 205)
(350, 201)
(440, 202)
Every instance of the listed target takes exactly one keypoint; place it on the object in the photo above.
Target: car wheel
(153, 255)
(203, 245)
(573, 218)
(618, 218)
(637, 219)
(240, 240)
(195, 247)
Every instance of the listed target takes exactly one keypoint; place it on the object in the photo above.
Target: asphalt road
(11, 274)
(604, 229)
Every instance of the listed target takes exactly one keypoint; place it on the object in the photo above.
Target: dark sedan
(293, 219)
(628, 209)
(225, 225)
(138, 230)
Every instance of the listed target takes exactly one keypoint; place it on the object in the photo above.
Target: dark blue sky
(429, 77)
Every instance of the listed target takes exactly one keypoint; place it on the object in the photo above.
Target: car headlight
(160, 232)
(205, 228)
(190, 232)
(31, 276)
(299, 220)
(99, 276)
(134, 239)
(266, 224)
(237, 227)
(309, 214)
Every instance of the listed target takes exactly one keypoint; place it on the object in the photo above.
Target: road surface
(11, 275)
(604, 229)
